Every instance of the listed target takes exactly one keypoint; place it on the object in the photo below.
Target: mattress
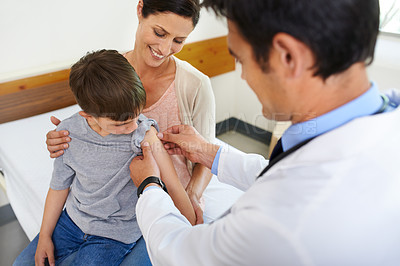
(27, 165)
(27, 168)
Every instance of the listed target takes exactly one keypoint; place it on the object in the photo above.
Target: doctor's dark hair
(105, 85)
(338, 32)
(184, 8)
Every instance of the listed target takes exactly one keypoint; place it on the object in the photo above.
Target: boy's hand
(45, 249)
(144, 166)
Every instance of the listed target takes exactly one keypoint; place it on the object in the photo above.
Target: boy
(92, 178)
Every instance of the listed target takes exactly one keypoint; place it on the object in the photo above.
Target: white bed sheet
(28, 167)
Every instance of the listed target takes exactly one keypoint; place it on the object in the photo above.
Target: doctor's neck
(322, 96)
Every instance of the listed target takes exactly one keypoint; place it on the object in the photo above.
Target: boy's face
(106, 125)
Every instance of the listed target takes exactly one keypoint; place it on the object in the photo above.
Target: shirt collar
(366, 104)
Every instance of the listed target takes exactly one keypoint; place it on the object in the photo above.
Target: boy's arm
(53, 207)
(169, 176)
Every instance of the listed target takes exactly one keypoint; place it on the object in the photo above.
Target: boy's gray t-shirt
(103, 197)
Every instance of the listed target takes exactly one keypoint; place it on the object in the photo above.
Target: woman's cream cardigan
(196, 101)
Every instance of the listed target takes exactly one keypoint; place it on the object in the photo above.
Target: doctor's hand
(144, 166)
(57, 141)
(185, 140)
(45, 249)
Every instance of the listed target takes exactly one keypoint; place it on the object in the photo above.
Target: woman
(176, 92)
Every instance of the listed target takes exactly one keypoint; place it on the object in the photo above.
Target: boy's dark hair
(184, 8)
(339, 32)
(105, 85)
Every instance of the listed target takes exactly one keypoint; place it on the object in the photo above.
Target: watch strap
(148, 180)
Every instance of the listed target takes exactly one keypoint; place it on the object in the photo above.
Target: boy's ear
(85, 115)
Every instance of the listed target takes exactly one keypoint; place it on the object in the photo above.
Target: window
(390, 16)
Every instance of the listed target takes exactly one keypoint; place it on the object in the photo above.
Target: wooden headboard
(44, 93)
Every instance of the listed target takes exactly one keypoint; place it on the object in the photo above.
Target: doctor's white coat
(335, 201)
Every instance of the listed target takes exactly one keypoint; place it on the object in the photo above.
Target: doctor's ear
(294, 56)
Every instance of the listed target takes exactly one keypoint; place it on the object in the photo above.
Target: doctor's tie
(278, 153)
(277, 150)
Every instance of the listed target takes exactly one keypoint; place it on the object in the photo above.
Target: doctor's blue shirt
(366, 104)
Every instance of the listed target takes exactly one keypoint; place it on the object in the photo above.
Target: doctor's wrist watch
(149, 180)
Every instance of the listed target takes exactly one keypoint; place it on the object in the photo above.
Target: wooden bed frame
(44, 93)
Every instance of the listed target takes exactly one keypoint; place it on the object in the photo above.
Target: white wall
(41, 36)
(385, 70)
(225, 88)
(45, 35)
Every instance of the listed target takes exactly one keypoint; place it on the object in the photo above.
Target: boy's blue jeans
(73, 247)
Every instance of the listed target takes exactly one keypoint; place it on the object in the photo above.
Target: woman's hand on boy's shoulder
(57, 141)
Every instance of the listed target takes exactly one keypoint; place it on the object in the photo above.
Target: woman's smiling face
(161, 35)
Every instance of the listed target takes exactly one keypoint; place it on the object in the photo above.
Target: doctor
(330, 193)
